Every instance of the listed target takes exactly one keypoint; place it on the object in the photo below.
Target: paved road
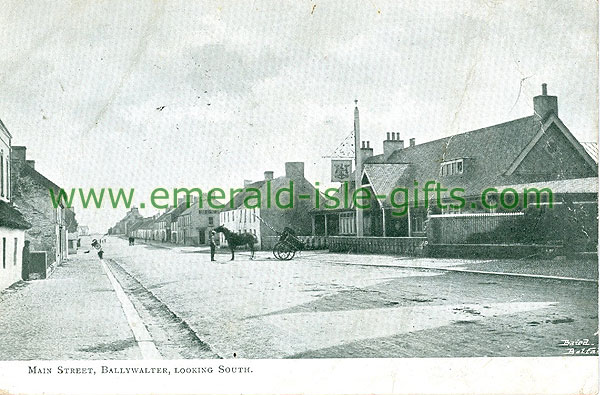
(337, 305)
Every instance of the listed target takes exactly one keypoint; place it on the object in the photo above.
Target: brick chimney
(31, 163)
(366, 151)
(19, 153)
(294, 170)
(392, 143)
(412, 142)
(268, 175)
(544, 105)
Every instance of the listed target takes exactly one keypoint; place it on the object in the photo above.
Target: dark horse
(237, 239)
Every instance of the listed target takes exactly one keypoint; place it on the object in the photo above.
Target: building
(196, 222)
(122, 227)
(169, 220)
(72, 231)
(532, 151)
(31, 194)
(83, 230)
(143, 228)
(12, 222)
(255, 209)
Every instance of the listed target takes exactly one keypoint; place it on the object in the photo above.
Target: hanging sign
(340, 170)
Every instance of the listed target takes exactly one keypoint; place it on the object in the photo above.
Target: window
(417, 223)
(4, 253)
(15, 252)
(450, 168)
(211, 221)
(347, 224)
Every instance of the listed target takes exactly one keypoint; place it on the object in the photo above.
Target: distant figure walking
(213, 244)
(236, 240)
(26, 259)
(98, 246)
(131, 240)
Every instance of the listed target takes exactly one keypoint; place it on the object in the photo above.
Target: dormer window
(451, 167)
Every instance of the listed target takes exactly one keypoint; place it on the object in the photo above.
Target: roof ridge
(464, 133)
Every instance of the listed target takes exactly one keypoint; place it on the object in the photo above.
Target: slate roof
(386, 176)
(489, 152)
(146, 223)
(39, 177)
(12, 218)
(574, 185)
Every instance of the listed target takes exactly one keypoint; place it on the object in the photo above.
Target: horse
(236, 240)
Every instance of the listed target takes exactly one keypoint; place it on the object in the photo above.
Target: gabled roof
(592, 149)
(384, 177)
(487, 153)
(12, 218)
(550, 120)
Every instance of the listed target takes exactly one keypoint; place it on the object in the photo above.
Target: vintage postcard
(299, 196)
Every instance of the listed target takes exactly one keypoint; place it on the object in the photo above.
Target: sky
(148, 94)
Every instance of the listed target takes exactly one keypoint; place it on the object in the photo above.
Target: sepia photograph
(299, 196)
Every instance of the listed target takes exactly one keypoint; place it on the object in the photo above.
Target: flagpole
(358, 169)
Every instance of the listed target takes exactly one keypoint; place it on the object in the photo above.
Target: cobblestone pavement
(74, 314)
(337, 305)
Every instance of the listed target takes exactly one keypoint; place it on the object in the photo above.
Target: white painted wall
(10, 269)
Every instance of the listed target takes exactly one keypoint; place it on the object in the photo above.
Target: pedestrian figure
(98, 246)
(25, 259)
(213, 244)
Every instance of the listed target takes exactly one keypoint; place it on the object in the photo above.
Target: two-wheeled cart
(287, 246)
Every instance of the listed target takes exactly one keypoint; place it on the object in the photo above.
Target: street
(319, 305)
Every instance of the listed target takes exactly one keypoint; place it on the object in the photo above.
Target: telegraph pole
(358, 168)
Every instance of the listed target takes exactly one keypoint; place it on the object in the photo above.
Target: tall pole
(358, 169)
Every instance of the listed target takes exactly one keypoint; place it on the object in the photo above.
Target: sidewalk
(74, 314)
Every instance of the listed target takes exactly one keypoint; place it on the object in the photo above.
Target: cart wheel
(290, 255)
(279, 250)
(277, 255)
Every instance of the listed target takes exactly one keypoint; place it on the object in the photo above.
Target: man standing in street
(25, 260)
(213, 245)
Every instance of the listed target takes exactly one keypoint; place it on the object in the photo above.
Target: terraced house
(12, 222)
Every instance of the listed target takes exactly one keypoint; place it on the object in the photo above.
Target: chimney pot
(412, 142)
(268, 175)
(388, 135)
(544, 105)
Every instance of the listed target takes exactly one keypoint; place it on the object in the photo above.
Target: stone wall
(33, 201)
